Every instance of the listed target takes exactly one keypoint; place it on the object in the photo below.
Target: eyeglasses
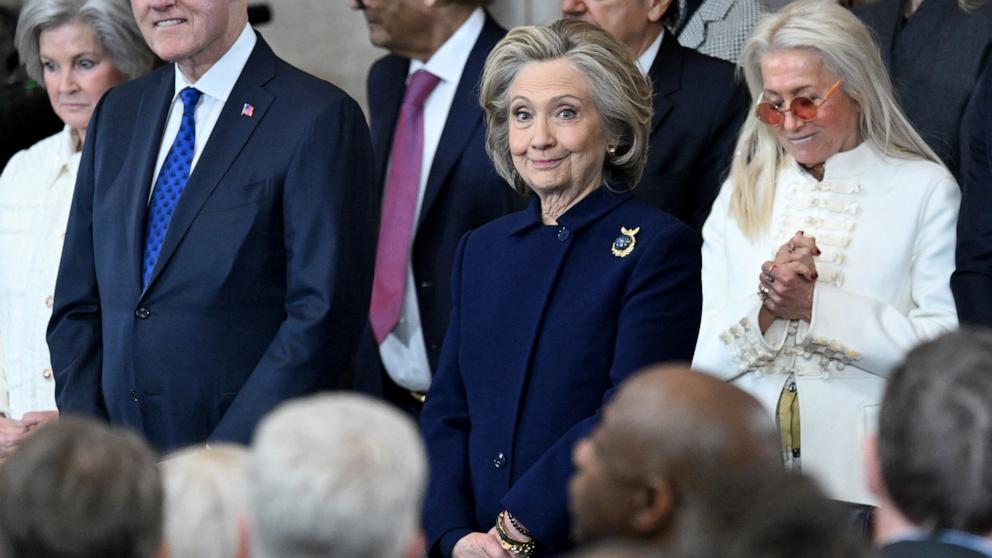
(802, 108)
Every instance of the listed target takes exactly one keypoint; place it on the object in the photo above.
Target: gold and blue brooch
(624, 244)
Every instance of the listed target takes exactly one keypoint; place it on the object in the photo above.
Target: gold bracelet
(516, 548)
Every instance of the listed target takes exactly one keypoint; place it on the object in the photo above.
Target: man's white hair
(205, 500)
(335, 475)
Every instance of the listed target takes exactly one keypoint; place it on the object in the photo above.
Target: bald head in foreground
(662, 436)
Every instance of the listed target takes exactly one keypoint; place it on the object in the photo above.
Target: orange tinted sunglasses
(802, 108)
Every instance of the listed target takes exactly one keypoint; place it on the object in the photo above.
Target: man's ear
(655, 507)
(657, 9)
(430, 3)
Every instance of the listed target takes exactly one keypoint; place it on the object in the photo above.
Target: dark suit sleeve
(75, 335)
(328, 240)
(449, 505)
(658, 322)
(715, 164)
(972, 280)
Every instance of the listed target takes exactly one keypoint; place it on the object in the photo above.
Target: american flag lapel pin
(247, 110)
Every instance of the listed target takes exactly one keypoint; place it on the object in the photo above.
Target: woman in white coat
(76, 49)
(829, 251)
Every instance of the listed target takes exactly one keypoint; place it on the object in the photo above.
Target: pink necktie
(400, 203)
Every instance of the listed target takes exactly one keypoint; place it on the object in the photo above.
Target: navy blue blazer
(546, 322)
(972, 280)
(463, 192)
(261, 289)
(699, 107)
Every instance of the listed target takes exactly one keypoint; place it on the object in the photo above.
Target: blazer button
(134, 395)
(142, 313)
(499, 460)
(563, 234)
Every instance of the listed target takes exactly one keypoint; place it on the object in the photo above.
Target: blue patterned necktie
(170, 184)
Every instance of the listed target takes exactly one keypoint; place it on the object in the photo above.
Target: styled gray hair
(205, 499)
(846, 47)
(112, 22)
(622, 94)
(338, 475)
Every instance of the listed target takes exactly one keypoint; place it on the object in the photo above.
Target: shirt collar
(646, 59)
(448, 61)
(847, 164)
(597, 203)
(218, 82)
(66, 147)
(66, 156)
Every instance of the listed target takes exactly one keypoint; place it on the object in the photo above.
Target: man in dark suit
(972, 280)
(931, 466)
(217, 254)
(935, 51)
(698, 105)
(432, 194)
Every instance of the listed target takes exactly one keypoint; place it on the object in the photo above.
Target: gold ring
(763, 292)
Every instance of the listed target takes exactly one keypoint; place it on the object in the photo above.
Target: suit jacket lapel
(140, 166)
(225, 143)
(884, 18)
(464, 116)
(385, 112)
(666, 78)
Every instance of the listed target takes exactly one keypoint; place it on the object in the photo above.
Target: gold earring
(611, 149)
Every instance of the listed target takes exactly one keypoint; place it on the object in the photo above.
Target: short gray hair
(112, 22)
(935, 433)
(335, 475)
(846, 47)
(205, 499)
(622, 94)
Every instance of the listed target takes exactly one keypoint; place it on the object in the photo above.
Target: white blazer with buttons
(886, 230)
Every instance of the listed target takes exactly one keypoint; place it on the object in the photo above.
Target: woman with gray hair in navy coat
(555, 305)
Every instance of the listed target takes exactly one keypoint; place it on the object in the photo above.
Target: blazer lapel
(140, 166)
(666, 78)
(464, 116)
(884, 18)
(385, 111)
(225, 143)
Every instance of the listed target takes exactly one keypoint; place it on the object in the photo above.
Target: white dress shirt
(35, 195)
(646, 59)
(403, 351)
(215, 85)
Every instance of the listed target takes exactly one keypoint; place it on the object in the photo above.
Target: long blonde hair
(847, 49)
